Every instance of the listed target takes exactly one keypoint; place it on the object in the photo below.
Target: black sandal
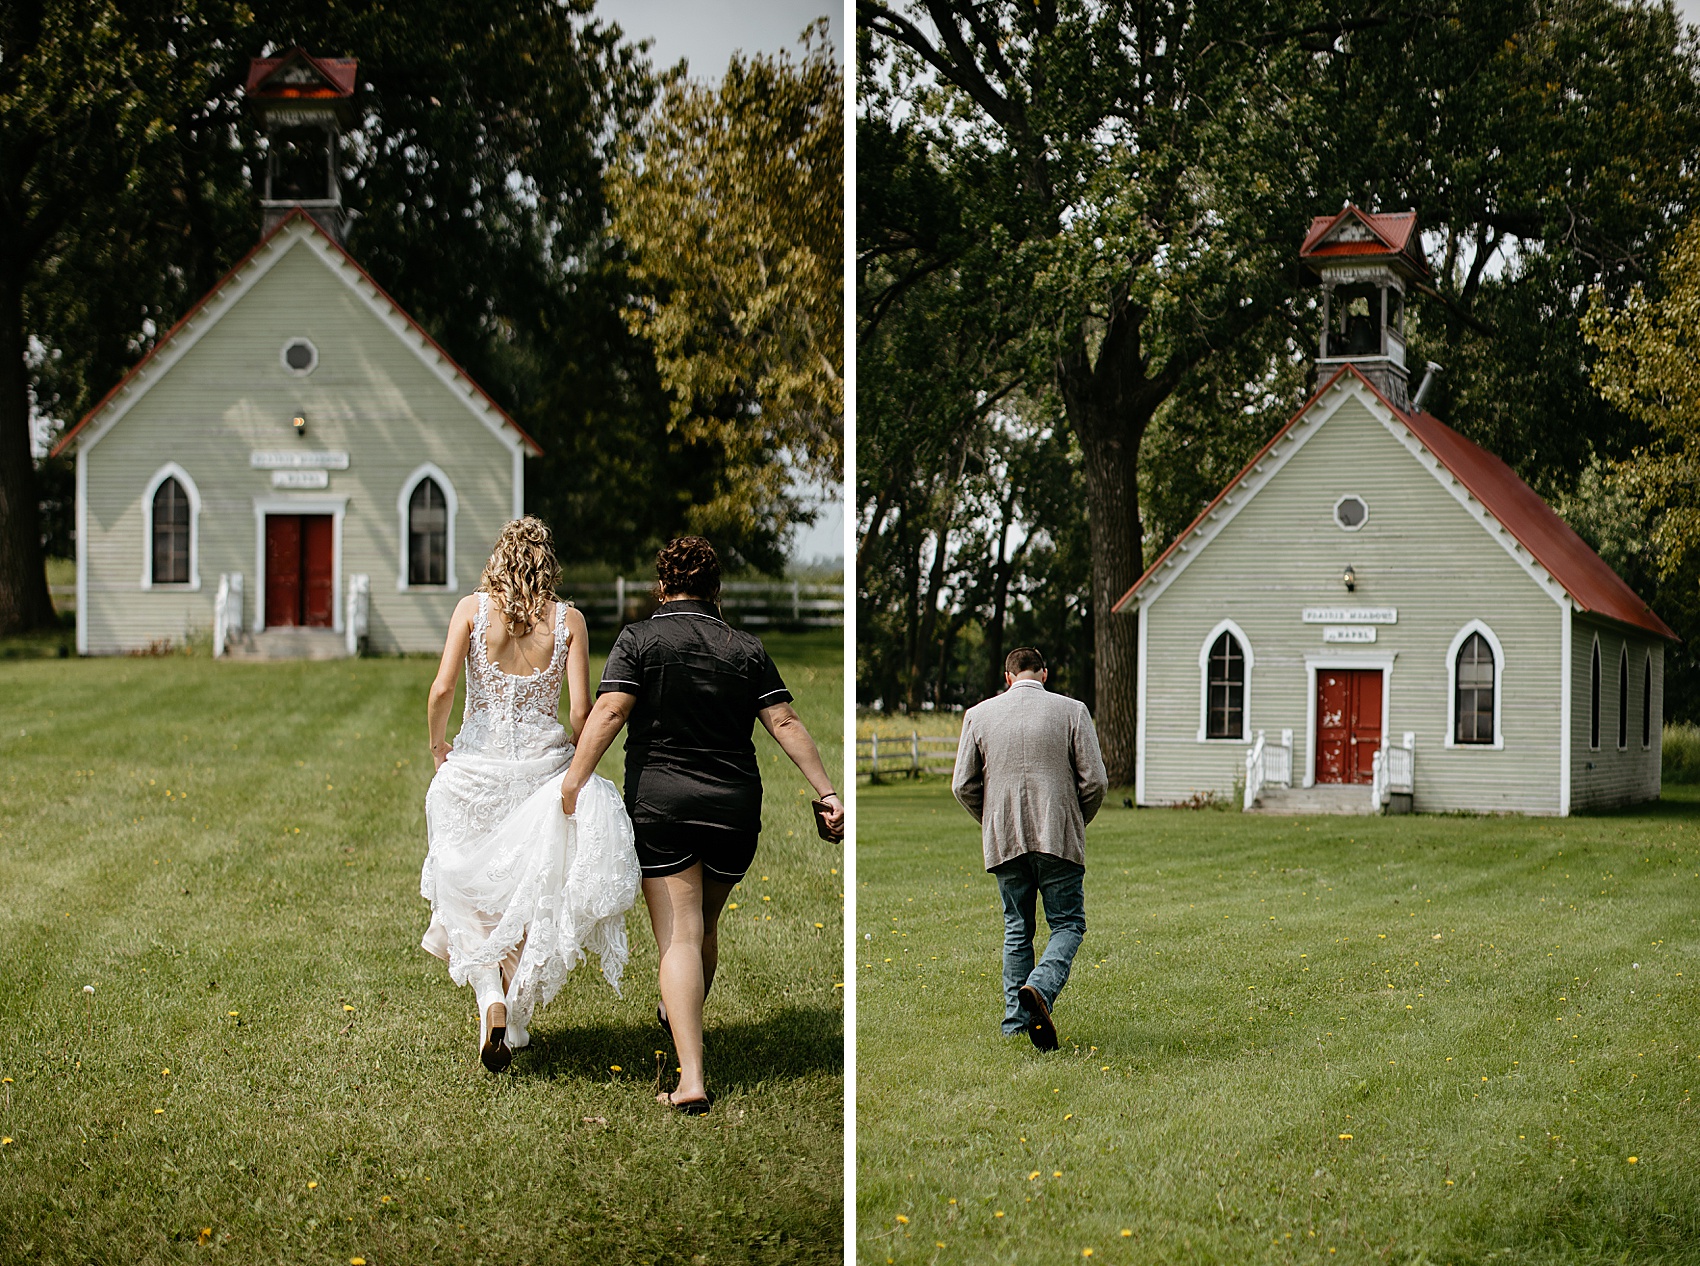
(661, 1019)
(691, 1107)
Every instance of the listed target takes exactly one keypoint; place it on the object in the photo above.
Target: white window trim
(1334, 514)
(1344, 660)
(1464, 634)
(1225, 626)
(283, 356)
(171, 470)
(1647, 702)
(427, 471)
(1594, 709)
(335, 505)
(1623, 697)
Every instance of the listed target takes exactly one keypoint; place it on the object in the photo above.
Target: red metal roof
(1395, 234)
(1585, 576)
(295, 214)
(338, 73)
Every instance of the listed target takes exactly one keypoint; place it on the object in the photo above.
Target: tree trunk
(24, 601)
(1109, 404)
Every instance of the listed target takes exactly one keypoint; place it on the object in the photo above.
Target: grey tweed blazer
(1029, 770)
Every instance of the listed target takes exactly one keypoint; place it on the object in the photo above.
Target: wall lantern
(1349, 578)
(300, 424)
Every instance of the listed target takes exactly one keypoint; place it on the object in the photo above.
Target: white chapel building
(1377, 613)
(296, 466)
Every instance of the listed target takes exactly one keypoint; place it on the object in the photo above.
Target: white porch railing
(1268, 764)
(359, 607)
(1395, 770)
(227, 612)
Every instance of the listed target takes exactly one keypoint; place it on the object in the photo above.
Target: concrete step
(1331, 798)
(290, 644)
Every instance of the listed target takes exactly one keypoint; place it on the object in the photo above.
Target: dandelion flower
(357, 1261)
(311, 1185)
(615, 1068)
(346, 1007)
(1086, 1252)
(1634, 1160)
(1033, 1175)
(204, 1236)
(165, 1072)
(997, 1214)
(159, 1112)
(5, 1140)
(902, 1219)
(232, 1013)
(1345, 1138)
(1056, 1173)
(1126, 1234)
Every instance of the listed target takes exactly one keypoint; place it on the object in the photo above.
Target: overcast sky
(706, 33)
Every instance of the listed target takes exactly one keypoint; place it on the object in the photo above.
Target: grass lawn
(1417, 1039)
(269, 1068)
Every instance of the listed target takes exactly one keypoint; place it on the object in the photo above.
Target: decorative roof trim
(234, 284)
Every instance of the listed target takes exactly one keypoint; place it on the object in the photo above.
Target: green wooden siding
(1421, 552)
(230, 395)
(1608, 776)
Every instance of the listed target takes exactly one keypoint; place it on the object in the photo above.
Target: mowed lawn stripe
(1249, 990)
(269, 1063)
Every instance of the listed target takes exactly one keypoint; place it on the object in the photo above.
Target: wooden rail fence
(769, 604)
(882, 756)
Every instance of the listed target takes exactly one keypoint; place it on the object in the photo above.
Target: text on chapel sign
(1350, 615)
(289, 460)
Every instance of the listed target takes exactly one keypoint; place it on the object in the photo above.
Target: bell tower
(304, 103)
(1366, 263)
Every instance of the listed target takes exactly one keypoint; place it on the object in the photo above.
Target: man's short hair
(1023, 659)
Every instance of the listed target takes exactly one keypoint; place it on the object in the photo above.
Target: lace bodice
(507, 715)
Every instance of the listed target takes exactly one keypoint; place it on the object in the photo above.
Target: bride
(518, 890)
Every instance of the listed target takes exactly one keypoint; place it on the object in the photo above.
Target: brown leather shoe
(495, 1054)
(1040, 1028)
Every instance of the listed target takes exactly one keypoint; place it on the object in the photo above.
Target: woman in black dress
(691, 689)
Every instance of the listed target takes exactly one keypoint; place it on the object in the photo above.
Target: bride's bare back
(529, 652)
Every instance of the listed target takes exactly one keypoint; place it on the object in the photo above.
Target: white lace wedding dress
(512, 881)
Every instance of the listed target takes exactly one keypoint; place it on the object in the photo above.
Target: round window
(1351, 513)
(300, 357)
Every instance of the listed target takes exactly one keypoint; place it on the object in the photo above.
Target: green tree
(731, 206)
(1649, 366)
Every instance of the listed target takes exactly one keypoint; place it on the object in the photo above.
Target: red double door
(1348, 724)
(300, 579)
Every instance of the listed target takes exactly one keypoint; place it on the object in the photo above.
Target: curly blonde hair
(522, 573)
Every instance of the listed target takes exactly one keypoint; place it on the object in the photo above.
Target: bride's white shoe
(518, 1038)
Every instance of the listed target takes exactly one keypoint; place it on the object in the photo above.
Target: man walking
(1029, 770)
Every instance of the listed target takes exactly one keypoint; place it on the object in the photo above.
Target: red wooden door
(1348, 724)
(318, 588)
(283, 570)
(300, 581)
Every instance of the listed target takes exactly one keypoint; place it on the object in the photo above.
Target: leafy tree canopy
(730, 204)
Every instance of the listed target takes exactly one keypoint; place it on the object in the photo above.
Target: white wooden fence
(776, 604)
(882, 756)
(1395, 772)
(1268, 765)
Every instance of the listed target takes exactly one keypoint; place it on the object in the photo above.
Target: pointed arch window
(427, 508)
(1647, 702)
(427, 535)
(1623, 700)
(171, 511)
(1475, 672)
(1225, 661)
(1594, 700)
(1475, 689)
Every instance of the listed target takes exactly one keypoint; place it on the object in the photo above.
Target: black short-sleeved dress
(693, 787)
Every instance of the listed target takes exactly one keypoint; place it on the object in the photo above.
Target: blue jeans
(1021, 881)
